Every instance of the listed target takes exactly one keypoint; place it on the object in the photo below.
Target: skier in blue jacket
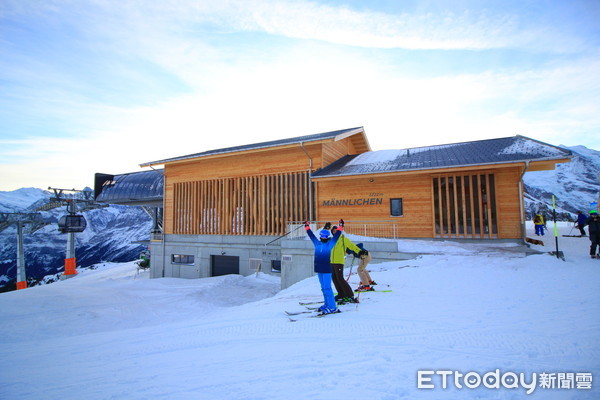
(323, 247)
(582, 220)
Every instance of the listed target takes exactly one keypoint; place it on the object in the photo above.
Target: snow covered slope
(574, 184)
(112, 333)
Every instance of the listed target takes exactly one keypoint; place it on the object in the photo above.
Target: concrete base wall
(202, 247)
(296, 256)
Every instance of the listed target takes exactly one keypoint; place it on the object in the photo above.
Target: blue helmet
(324, 234)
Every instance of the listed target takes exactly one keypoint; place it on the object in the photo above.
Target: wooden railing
(375, 229)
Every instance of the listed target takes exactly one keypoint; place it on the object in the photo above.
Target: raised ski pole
(284, 235)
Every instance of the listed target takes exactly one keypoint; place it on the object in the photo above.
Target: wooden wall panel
(507, 200)
(415, 192)
(272, 162)
(334, 151)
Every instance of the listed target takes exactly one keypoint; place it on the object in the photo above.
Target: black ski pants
(595, 243)
(342, 287)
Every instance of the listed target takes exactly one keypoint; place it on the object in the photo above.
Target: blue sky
(103, 86)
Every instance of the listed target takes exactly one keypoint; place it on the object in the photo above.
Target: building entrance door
(224, 265)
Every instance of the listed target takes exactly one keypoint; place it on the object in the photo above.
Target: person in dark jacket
(581, 221)
(322, 263)
(594, 231)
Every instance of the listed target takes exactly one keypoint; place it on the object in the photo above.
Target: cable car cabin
(71, 223)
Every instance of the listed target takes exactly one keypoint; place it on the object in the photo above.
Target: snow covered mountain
(21, 199)
(108, 237)
(575, 185)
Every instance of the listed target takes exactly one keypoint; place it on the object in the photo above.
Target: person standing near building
(594, 231)
(345, 293)
(581, 221)
(539, 223)
(366, 283)
(322, 263)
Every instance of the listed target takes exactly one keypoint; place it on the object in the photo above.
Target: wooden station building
(223, 209)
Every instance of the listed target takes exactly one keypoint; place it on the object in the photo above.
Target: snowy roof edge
(333, 171)
(316, 176)
(261, 145)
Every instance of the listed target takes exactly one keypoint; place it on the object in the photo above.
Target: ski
(320, 302)
(308, 311)
(299, 312)
(369, 291)
(310, 303)
(319, 315)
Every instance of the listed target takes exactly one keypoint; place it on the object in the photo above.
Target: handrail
(378, 229)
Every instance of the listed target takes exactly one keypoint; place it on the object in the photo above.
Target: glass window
(276, 266)
(182, 259)
(396, 207)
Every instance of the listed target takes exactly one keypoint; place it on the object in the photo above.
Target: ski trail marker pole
(559, 254)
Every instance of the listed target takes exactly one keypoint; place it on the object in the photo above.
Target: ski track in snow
(115, 334)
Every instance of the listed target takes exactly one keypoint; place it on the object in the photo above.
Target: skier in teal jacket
(323, 247)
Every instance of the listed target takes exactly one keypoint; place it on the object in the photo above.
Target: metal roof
(482, 152)
(263, 145)
(137, 188)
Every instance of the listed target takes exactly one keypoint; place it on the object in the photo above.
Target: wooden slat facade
(251, 205)
(464, 206)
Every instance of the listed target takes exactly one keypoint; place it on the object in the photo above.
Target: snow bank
(112, 333)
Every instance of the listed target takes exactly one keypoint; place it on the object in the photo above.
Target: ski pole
(284, 235)
(350, 273)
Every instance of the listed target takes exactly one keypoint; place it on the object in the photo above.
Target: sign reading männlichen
(364, 201)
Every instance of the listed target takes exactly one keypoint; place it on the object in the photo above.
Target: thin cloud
(434, 28)
(107, 85)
